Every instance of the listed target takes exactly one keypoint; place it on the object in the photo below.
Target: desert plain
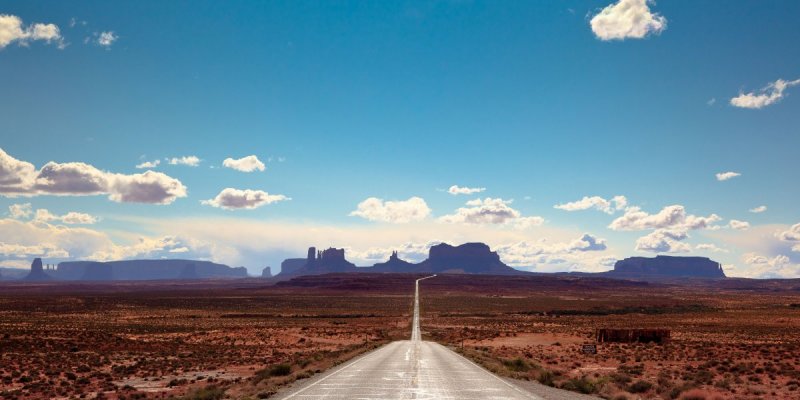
(250, 338)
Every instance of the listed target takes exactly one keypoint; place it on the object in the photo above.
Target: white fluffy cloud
(191, 161)
(395, 212)
(738, 225)
(72, 217)
(759, 209)
(20, 178)
(244, 164)
(764, 97)
(491, 211)
(148, 164)
(584, 253)
(791, 235)
(409, 251)
(663, 241)
(627, 19)
(724, 176)
(12, 30)
(456, 190)
(106, 39)
(20, 211)
(670, 217)
(760, 266)
(236, 199)
(598, 203)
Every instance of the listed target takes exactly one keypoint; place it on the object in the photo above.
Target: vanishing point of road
(417, 369)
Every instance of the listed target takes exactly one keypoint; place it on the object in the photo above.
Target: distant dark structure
(468, 258)
(319, 262)
(667, 267)
(189, 271)
(266, 272)
(290, 266)
(395, 264)
(132, 270)
(37, 273)
(633, 335)
(97, 271)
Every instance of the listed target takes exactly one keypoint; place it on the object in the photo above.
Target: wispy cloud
(769, 95)
(724, 176)
(456, 190)
(598, 203)
(191, 161)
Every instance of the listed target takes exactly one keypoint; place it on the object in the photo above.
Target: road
(414, 369)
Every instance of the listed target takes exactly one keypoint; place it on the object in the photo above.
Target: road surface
(414, 369)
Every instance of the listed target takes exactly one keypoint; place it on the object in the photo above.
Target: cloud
(72, 217)
(20, 211)
(758, 209)
(738, 225)
(724, 176)
(584, 253)
(627, 19)
(12, 30)
(395, 212)
(663, 241)
(409, 251)
(791, 235)
(19, 178)
(710, 247)
(491, 211)
(244, 164)
(779, 266)
(670, 217)
(15, 174)
(769, 95)
(236, 199)
(148, 164)
(191, 161)
(456, 190)
(607, 206)
(106, 39)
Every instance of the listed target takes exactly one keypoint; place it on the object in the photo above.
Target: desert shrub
(546, 378)
(516, 365)
(280, 370)
(640, 386)
(206, 393)
(620, 379)
(581, 385)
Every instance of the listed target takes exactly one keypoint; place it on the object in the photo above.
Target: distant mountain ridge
(132, 270)
(468, 258)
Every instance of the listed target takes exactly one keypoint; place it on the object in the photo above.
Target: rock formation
(469, 258)
(97, 271)
(321, 262)
(395, 264)
(667, 267)
(266, 272)
(37, 273)
(189, 271)
(290, 266)
(146, 270)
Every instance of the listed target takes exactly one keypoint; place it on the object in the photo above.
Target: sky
(565, 134)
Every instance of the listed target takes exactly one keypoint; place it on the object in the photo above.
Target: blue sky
(540, 103)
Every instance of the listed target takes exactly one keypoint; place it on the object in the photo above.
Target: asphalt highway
(413, 369)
